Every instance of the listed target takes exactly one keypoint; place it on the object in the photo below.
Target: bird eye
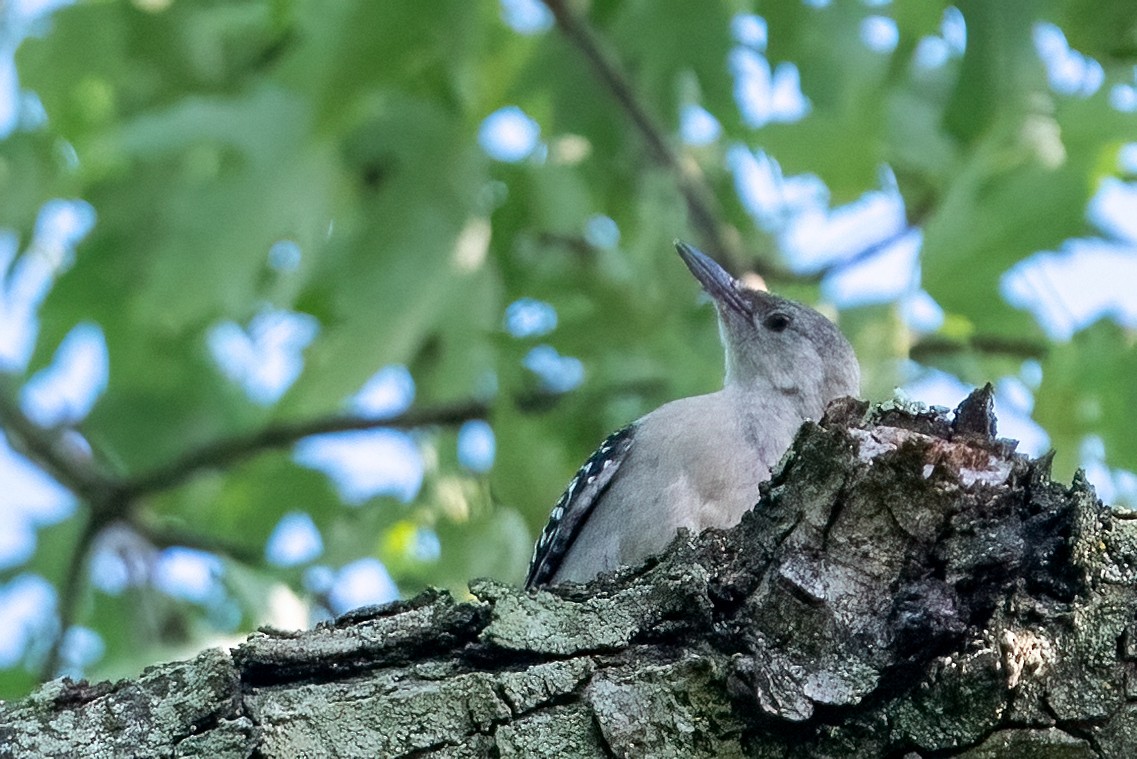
(776, 322)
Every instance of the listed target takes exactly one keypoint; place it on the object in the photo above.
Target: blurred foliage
(204, 132)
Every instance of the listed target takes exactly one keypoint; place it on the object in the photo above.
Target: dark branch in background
(161, 535)
(700, 202)
(231, 450)
(102, 494)
(575, 244)
(48, 449)
(931, 347)
(699, 198)
(108, 498)
(223, 453)
(70, 591)
(916, 217)
(166, 535)
(864, 254)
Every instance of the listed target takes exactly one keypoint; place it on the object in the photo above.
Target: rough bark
(907, 585)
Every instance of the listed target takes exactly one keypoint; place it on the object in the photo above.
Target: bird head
(776, 343)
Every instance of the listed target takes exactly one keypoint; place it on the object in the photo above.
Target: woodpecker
(697, 462)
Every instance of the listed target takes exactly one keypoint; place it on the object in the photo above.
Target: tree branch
(930, 347)
(109, 499)
(697, 195)
(864, 254)
(915, 220)
(699, 199)
(231, 450)
(69, 592)
(165, 535)
(46, 448)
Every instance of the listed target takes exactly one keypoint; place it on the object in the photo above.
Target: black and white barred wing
(575, 505)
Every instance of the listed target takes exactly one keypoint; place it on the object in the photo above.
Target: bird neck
(762, 396)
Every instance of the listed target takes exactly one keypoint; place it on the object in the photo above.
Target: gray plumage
(697, 462)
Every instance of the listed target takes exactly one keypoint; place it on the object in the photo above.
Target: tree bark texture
(907, 586)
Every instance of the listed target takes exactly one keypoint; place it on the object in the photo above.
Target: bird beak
(714, 279)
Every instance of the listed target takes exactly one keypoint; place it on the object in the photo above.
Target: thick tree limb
(904, 585)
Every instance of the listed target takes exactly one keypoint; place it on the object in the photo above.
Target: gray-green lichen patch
(227, 738)
(674, 710)
(431, 623)
(382, 715)
(566, 732)
(546, 623)
(1087, 680)
(536, 686)
(959, 703)
(1047, 743)
(142, 717)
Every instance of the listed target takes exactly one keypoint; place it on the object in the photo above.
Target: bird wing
(575, 505)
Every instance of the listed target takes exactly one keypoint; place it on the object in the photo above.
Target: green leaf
(1005, 205)
(1000, 73)
(1088, 389)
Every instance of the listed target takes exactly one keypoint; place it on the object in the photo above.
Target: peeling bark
(907, 586)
